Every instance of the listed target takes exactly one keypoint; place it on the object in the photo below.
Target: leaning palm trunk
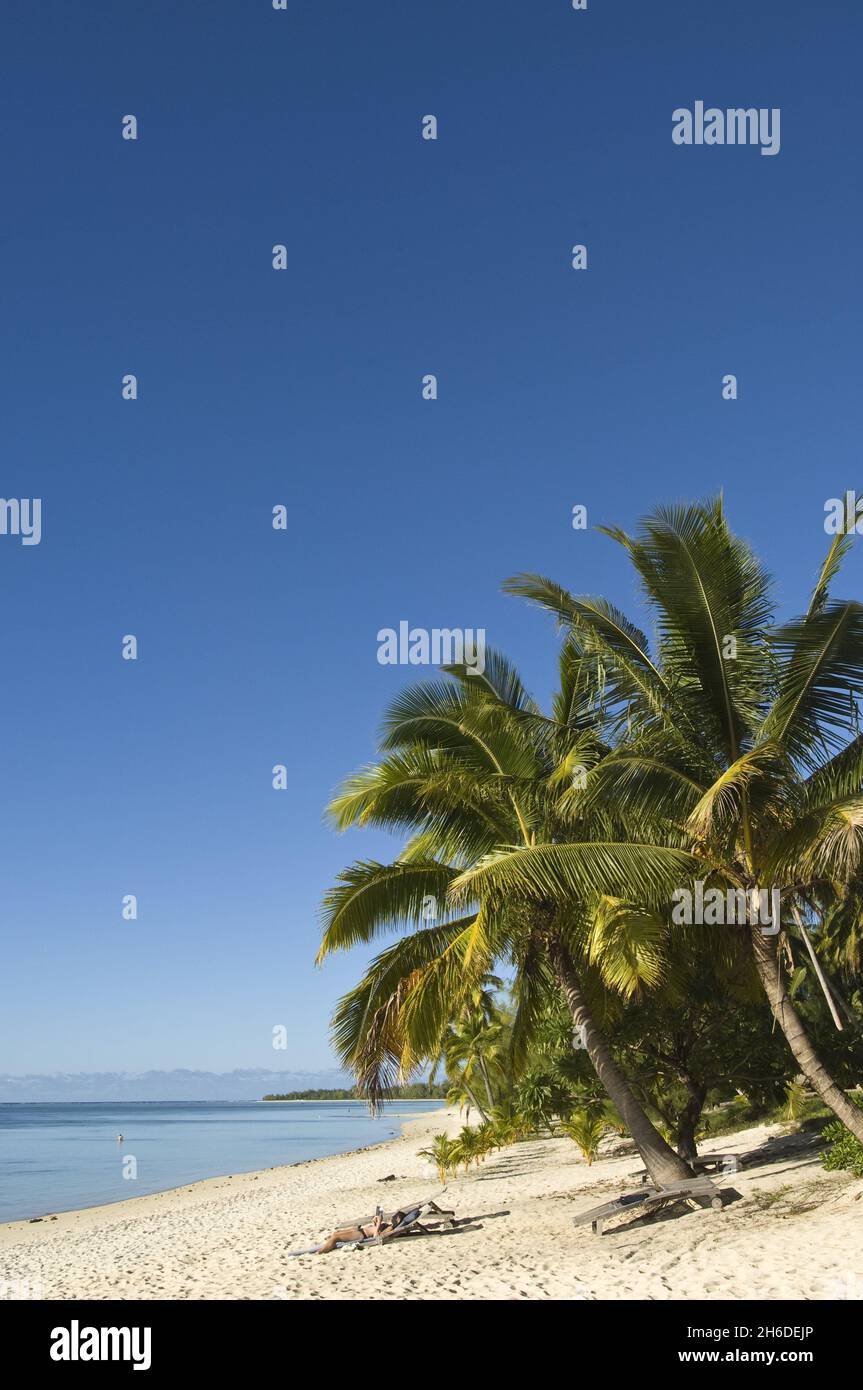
(660, 1160)
(486, 1081)
(769, 968)
(472, 1101)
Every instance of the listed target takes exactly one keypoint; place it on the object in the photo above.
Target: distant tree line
(417, 1090)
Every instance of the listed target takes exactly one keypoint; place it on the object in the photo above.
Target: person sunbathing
(380, 1226)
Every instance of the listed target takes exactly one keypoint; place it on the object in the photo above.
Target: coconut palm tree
(509, 1124)
(470, 767)
(587, 1130)
(443, 1153)
(459, 1093)
(468, 1146)
(734, 741)
(472, 1047)
(475, 1042)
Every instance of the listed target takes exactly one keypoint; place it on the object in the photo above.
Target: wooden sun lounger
(650, 1199)
(403, 1228)
(725, 1164)
(429, 1207)
(407, 1226)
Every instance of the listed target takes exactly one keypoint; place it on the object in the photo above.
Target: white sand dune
(795, 1232)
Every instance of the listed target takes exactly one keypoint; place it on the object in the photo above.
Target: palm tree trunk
(687, 1120)
(769, 969)
(660, 1160)
(474, 1102)
(485, 1080)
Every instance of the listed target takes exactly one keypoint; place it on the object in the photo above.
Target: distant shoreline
(254, 1100)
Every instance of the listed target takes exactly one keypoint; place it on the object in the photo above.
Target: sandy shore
(793, 1232)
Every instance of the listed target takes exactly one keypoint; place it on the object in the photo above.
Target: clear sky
(303, 387)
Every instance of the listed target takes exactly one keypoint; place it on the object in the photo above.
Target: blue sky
(302, 387)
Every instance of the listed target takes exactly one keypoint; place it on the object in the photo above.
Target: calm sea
(61, 1156)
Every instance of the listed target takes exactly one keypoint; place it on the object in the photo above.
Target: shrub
(844, 1150)
(443, 1154)
(587, 1130)
(796, 1097)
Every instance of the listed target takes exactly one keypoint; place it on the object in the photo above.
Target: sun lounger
(726, 1164)
(408, 1222)
(650, 1199)
(427, 1207)
(717, 1163)
(404, 1225)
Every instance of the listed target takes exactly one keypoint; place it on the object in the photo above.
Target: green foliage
(470, 1147)
(742, 1113)
(542, 1098)
(692, 762)
(613, 1119)
(845, 1151)
(443, 1153)
(487, 1140)
(587, 1129)
(796, 1096)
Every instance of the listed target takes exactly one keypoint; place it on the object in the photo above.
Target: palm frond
(721, 804)
(368, 1032)
(499, 680)
(627, 946)
(839, 547)
(820, 684)
(633, 676)
(558, 873)
(712, 604)
(369, 898)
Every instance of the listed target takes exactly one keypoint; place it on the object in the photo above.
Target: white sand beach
(795, 1232)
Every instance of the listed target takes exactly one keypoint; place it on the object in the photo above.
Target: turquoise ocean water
(55, 1157)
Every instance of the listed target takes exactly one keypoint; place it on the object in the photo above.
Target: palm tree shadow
(674, 1211)
(510, 1173)
(782, 1146)
(465, 1223)
(489, 1215)
(412, 1236)
(512, 1167)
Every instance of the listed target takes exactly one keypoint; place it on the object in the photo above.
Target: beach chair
(718, 1163)
(649, 1200)
(409, 1219)
(724, 1164)
(427, 1207)
(408, 1225)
